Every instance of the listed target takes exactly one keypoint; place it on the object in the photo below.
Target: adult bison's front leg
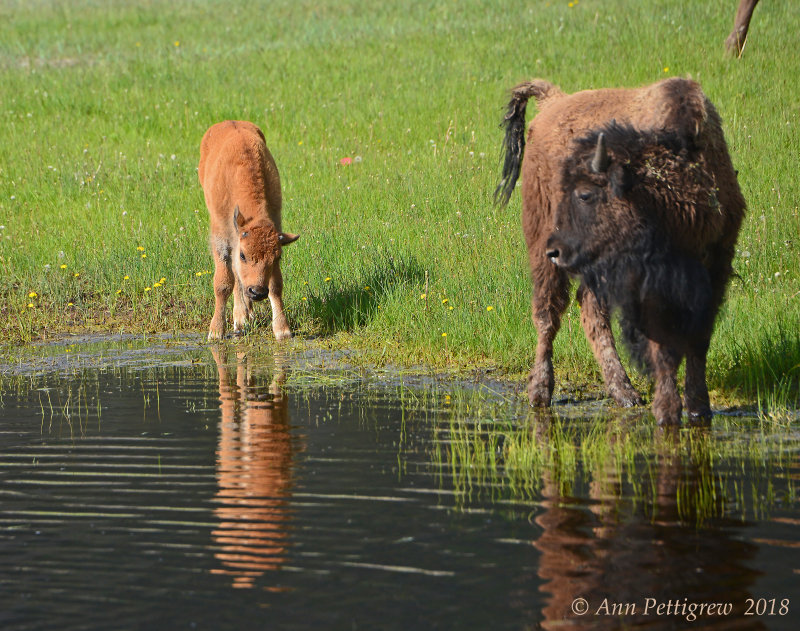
(597, 326)
(550, 299)
(695, 394)
(664, 362)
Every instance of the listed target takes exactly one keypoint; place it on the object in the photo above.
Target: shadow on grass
(350, 304)
(768, 368)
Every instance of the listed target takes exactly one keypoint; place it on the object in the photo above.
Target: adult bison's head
(258, 250)
(595, 218)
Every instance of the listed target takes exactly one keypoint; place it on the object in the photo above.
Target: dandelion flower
(490, 308)
(33, 294)
(423, 296)
(666, 68)
(147, 288)
(140, 248)
(126, 277)
(119, 291)
(444, 334)
(63, 267)
(156, 285)
(445, 301)
(30, 305)
(366, 287)
(77, 274)
(69, 304)
(144, 256)
(328, 279)
(198, 273)
(304, 298)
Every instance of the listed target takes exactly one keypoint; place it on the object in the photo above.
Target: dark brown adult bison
(633, 192)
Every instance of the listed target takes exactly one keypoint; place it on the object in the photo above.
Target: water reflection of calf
(615, 552)
(254, 470)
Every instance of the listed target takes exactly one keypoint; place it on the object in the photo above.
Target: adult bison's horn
(600, 160)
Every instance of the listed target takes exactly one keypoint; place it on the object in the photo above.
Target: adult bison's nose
(257, 293)
(555, 250)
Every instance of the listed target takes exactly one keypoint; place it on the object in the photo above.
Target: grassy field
(402, 254)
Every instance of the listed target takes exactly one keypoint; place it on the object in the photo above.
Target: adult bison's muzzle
(562, 254)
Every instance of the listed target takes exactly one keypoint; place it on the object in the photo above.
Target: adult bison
(633, 192)
(243, 194)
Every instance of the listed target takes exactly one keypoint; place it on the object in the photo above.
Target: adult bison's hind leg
(597, 326)
(550, 299)
(664, 362)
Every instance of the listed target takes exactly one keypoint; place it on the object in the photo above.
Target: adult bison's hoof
(626, 397)
(700, 418)
(539, 395)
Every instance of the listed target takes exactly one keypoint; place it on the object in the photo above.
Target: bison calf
(633, 192)
(243, 194)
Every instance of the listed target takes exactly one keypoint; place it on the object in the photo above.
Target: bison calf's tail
(514, 141)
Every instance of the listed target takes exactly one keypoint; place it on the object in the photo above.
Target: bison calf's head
(257, 251)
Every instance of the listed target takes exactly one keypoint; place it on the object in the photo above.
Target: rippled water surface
(159, 486)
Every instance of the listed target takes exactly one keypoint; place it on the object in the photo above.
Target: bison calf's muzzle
(257, 294)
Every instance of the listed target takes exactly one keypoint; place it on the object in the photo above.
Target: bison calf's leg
(664, 362)
(280, 325)
(223, 286)
(550, 298)
(597, 327)
(242, 308)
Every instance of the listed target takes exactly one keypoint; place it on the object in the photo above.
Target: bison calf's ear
(238, 219)
(286, 238)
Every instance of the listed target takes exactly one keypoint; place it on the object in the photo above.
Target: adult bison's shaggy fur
(632, 191)
(243, 194)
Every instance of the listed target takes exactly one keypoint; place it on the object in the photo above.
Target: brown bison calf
(243, 195)
(633, 192)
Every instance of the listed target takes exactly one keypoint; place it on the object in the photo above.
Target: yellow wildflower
(33, 294)
(64, 266)
(490, 308)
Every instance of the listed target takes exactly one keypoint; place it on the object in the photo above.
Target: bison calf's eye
(241, 255)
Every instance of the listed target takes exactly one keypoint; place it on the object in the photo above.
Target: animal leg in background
(280, 326)
(597, 326)
(550, 299)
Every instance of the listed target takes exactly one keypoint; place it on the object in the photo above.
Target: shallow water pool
(178, 486)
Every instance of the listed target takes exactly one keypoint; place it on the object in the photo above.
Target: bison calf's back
(243, 193)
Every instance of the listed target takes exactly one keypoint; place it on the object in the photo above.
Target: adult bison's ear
(238, 219)
(286, 238)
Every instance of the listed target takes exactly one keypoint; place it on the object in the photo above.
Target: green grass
(104, 105)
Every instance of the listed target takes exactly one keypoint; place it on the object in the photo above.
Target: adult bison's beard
(659, 294)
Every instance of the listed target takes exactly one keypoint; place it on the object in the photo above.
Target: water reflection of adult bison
(614, 552)
(254, 473)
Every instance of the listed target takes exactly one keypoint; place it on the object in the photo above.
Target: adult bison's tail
(514, 141)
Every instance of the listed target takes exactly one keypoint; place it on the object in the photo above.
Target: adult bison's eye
(587, 197)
